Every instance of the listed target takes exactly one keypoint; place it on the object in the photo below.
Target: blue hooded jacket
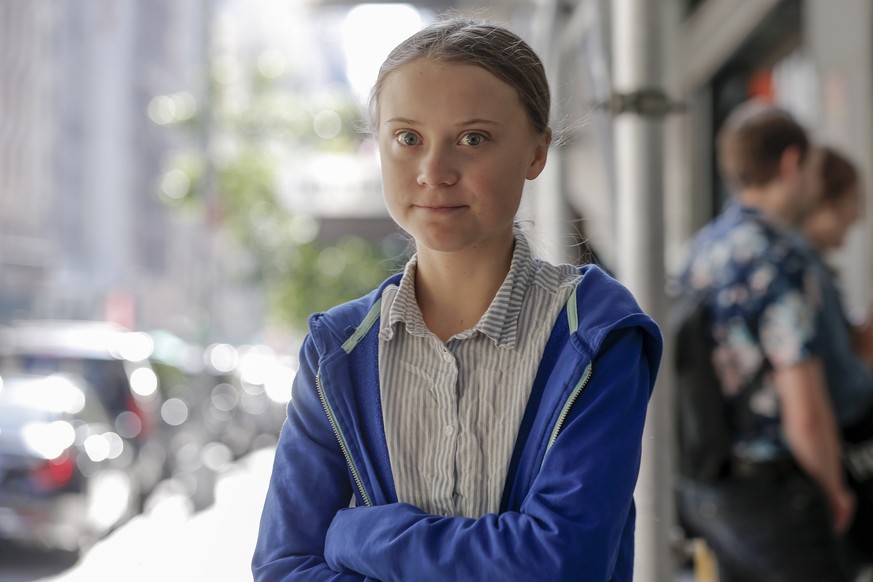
(567, 510)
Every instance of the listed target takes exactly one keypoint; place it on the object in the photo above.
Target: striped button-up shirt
(452, 410)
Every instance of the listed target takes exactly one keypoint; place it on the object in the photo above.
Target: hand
(843, 509)
(862, 334)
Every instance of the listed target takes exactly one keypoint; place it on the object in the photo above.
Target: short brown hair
(752, 140)
(838, 175)
(489, 46)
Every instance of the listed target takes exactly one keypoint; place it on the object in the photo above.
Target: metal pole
(550, 207)
(639, 104)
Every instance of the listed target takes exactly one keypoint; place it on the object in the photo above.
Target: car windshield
(107, 376)
(14, 416)
(29, 401)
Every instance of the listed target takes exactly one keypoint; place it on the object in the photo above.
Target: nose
(437, 167)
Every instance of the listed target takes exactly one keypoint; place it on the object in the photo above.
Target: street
(168, 542)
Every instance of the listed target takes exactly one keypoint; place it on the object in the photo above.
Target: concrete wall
(840, 44)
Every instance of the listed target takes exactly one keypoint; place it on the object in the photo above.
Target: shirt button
(449, 430)
(447, 356)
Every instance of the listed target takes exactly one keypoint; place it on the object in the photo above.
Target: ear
(540, 154)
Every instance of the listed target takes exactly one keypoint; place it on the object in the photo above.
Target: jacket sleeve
(570, 525)
(309, 484)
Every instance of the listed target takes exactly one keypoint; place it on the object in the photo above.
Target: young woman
(479, 416)
(846, 350)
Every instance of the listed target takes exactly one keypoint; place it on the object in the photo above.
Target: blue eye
(473, 139)
(406, 138)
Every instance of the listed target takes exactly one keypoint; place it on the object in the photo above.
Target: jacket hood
(598, 318)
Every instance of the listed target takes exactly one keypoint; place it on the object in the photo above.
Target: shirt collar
(500, 320)
(403, 307)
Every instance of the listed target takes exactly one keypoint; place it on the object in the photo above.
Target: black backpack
(704, 428)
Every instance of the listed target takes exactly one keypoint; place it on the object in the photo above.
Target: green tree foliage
(251, 132)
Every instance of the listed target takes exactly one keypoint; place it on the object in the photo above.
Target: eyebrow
(467, 123)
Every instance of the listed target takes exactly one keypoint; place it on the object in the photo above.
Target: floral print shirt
(757, 279)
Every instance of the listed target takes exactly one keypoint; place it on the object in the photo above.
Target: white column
(839, 42)
(547, 199)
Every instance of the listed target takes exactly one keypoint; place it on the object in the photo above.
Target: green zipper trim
(573, 312)
(569, 404)
(344, 446)
(365, 326)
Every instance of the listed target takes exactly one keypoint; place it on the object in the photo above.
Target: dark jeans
(858, 451)
(771, 524)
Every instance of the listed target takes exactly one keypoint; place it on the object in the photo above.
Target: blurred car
(64, 479)
(114, 361)
(218, 404)
(251, 388)
(195, 452)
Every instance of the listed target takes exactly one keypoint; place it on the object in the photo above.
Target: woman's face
(456, 147)
(832, 220)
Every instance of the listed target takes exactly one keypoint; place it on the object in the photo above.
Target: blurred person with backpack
(760, 478)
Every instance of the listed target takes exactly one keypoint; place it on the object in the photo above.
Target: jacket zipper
(331, 417)
(568, 405)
